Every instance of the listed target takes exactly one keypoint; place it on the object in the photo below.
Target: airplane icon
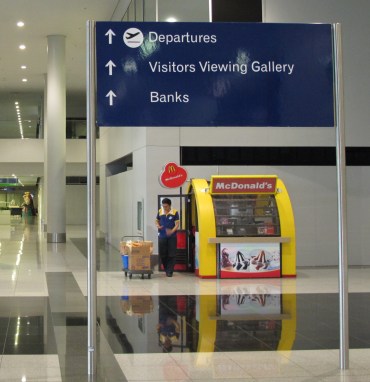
(129, 35)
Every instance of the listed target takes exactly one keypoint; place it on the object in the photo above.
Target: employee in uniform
(167, 222)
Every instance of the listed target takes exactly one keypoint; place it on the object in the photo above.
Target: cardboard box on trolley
(139, 254)
(136, 305)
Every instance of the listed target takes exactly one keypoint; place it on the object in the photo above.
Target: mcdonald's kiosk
(243, 227)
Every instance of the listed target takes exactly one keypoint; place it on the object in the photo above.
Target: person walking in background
(167, 222)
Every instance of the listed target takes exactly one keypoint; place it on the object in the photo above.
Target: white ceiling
(59, 17)
(42, 18)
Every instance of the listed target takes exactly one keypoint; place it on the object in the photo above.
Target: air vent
(120, 165)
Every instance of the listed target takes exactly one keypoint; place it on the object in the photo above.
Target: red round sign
(173, 176)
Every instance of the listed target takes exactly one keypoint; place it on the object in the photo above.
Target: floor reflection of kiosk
(243, 227)
(261, 310)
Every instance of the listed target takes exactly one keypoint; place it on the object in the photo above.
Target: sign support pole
(342, 210)
(91, 184)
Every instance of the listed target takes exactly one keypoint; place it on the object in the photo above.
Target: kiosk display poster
(249, 260)
(250, 304)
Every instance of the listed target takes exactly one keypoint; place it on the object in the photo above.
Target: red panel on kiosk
(243, 185)
(181, 239)
(250, 275)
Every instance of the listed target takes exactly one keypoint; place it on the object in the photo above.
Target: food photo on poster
(249, 260)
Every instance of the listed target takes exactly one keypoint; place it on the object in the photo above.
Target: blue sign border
(215, 74)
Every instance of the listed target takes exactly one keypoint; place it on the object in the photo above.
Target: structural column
(56, 140)
(45, 177)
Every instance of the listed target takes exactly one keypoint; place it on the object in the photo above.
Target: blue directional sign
(214, 74)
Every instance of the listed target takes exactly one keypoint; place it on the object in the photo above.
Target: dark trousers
(167, 252)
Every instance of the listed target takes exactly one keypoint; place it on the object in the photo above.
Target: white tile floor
(23, 264)
(25, 368)
(304, 365)
(308, 281)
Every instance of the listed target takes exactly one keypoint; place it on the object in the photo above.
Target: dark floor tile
(69, 319)
(4, 324)
(74, 340)
(304, 342)
(24, 348)
(315, 321)
(358, 343)
(26, 333)
(25, 339)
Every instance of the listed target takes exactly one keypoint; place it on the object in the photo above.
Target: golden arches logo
(171, 169)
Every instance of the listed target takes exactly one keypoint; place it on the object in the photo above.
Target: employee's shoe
(169, 274)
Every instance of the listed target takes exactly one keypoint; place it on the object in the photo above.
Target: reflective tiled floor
(169, 329)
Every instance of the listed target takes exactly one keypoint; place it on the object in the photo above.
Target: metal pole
(342, 209)
(91, 181)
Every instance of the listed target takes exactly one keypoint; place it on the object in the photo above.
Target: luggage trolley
(138, 268)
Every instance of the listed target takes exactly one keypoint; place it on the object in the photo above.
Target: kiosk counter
(243, 227)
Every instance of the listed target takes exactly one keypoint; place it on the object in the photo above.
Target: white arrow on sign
(110, 65)
(110, 35)
(111, 95)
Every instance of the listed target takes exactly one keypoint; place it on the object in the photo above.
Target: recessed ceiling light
(22, 46)
(20, 24)
(23, 67)
(24, 80)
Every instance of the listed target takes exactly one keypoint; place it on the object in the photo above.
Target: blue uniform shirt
(167, 221)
